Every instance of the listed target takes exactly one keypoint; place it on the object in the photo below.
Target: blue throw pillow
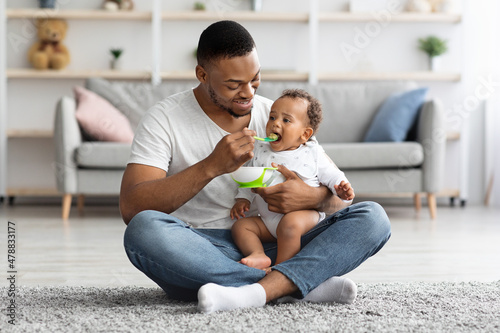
(396, 116)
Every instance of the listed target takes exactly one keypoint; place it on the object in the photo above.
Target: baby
(294, 118)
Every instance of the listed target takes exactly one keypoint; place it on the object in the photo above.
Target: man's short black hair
(223, 40)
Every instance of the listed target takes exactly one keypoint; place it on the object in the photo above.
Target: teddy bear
(113, 5)
(49, 51)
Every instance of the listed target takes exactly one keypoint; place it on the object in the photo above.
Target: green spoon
(270, 138)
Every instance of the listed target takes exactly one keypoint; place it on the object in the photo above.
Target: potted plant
(199, 6)
(434, 47)
(115, 60)
(47, 4)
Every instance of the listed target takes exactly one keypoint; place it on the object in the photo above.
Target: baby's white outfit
(309, 162)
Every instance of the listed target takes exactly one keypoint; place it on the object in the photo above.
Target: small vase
(434, 63)
(420, 6)
(256, 5)
(47, 4)
(115, 64)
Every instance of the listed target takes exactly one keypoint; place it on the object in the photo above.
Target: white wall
(281, 46)
(481, 83)
(483, 60)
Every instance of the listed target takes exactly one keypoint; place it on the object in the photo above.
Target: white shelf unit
(404, 17)
(28, 73)
(78, 14)
(156, 17)
(3, 99)
(237, 16)
(30, 133)
(378, 76)
(7, 74)
(240, 16)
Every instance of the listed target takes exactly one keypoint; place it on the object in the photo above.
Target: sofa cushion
(102, 155)
(101, 120)
(133, 99)
(348, 107)
(375, 155)
(396, 116)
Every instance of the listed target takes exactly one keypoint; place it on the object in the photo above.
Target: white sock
(335, 289)
(212, 297)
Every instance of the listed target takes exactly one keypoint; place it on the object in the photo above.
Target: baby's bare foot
(259, 261)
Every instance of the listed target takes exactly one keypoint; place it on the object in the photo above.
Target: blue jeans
(181, 259)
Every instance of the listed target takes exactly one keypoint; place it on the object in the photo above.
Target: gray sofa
(375, 169)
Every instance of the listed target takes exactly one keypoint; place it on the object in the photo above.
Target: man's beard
(215, 100)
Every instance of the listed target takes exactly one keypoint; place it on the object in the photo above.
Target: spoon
(270, 138)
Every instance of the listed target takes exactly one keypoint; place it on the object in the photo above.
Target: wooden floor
(462, 244)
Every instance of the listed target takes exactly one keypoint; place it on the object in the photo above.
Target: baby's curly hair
(314, 110)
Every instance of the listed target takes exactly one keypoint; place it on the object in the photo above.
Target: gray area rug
(392, 307)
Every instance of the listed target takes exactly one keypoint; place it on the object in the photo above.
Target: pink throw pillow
(101, 120)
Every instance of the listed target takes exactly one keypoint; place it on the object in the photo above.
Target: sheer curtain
(490, 48)
(492, 179)
(482, 55)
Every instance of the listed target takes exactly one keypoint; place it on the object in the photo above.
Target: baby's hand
(344, 191)
(240, 207)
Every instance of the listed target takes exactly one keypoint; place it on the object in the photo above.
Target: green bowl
(252, 177)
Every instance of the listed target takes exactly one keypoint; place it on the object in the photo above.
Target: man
(176, 194)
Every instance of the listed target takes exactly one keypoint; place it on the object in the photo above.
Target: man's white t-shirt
(176, 134)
